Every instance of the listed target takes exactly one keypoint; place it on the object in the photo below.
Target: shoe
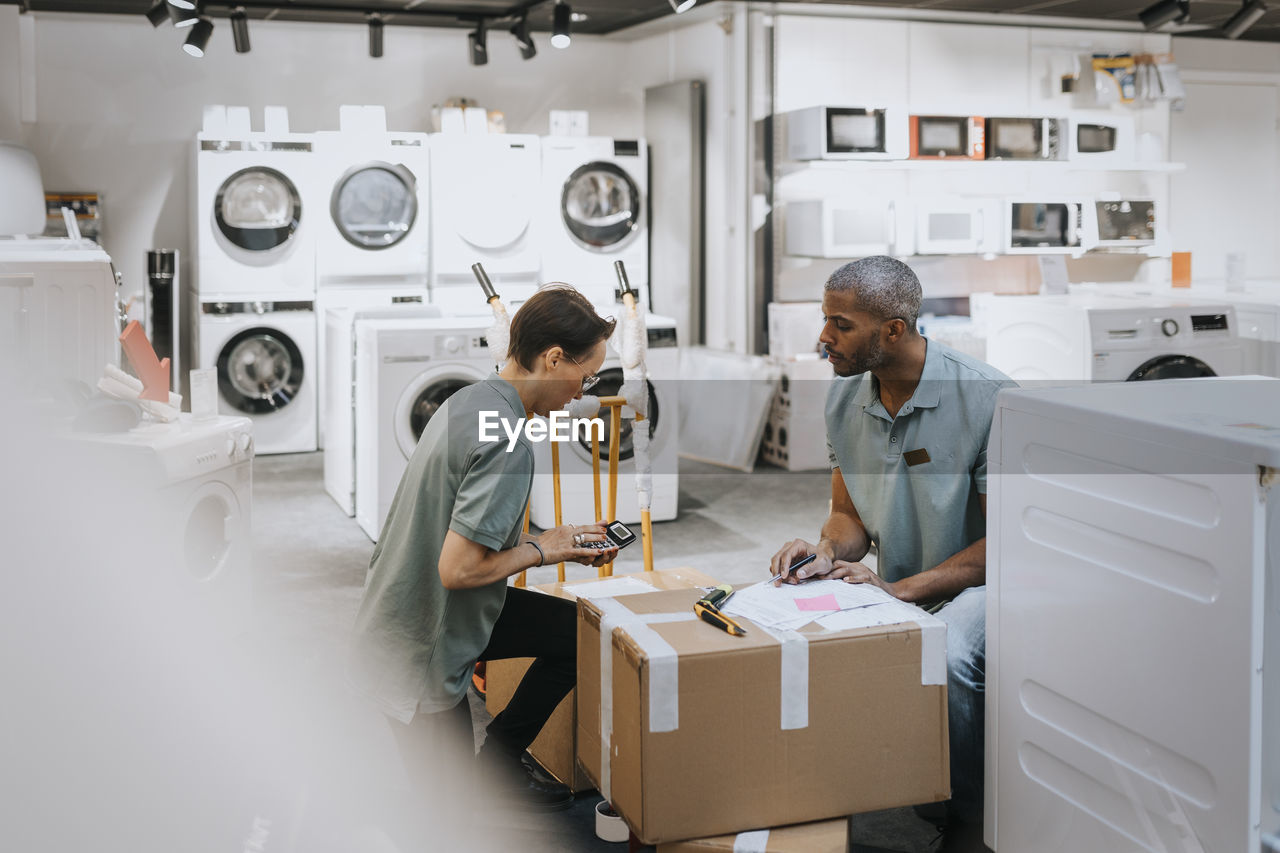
(523, 787)
(960, 836)
(934, 814)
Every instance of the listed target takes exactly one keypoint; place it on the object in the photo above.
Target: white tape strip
(614, 614)
(664, 678)
(751, 842)
(933, 650)
(795, 677)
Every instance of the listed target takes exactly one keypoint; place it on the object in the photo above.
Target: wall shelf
(795, 166)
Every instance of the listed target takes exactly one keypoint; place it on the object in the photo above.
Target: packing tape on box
(795, 677)
(664, 672)
(933, 650)
(756, 841)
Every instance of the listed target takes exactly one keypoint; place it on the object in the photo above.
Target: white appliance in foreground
(795, 436)
(577, 493)
(404, 371)
(337, 412)
(58, 313)
(265, 353)
(1133, 618)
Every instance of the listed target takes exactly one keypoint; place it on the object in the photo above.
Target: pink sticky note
(820, 602)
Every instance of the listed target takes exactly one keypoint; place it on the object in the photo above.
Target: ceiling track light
(1246, 17)
(477, 42)
(520, 30)
(375, 35)
(158, 13)
(560, 25)
(183, 17)
(1165, 12)
(199, 38)
(183, 4)
(679, 6)
(240, 29)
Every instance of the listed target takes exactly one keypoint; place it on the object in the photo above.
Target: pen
(803, 561)
(712, 616)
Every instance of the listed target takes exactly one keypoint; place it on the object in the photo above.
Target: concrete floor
(310, 561)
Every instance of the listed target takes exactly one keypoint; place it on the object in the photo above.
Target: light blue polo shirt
(918, 507)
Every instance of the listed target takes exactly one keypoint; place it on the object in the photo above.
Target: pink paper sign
(821, 602)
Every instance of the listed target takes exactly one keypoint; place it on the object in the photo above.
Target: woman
(437, 599)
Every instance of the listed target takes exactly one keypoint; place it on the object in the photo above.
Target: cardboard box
(828, 836)
(695, 739)
(556, 745)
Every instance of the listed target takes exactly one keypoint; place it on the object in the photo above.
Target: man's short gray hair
(883, 285)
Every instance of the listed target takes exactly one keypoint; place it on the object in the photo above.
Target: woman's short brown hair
(557, 315)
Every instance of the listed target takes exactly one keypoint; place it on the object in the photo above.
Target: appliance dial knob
(259, 308)
(231, 447)
(453, 344)
(1169, 327)
(244, 441)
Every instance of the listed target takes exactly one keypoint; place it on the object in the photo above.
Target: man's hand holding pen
(783, 566)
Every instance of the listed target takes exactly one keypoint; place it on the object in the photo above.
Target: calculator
(617, 534)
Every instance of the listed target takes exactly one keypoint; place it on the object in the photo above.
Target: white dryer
(404, 370)
(193, 483)
(265, 353)
(594, 211)
(337, 411)
(577, 493)
(255, 235)
(484, 198)
(1083, 337)
(58, 313)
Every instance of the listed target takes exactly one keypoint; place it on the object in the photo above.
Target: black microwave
(1026, 139)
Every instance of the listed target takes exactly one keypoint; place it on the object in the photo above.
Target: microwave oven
(1102, 137)
(1122, 223)
(956, 226)
(947, 138)
(1026, 139)
(846, 133)
(1039, 227)
(833, 228)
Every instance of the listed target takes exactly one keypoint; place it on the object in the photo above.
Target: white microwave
(957, 226)
(1041, 226)
(1101, 136)
(833, 228)
(1121, 223)
(846, 133)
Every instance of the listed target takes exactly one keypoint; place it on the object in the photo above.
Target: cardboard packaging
(707, 734)
(828, 836)
(556, 745)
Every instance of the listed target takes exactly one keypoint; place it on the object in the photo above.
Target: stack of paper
(835, 605)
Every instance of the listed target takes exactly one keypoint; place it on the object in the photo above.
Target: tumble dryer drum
(375, 205)
(211, 515)
(260, 370)
(600, 206)
(257, 209)
(1171, 367)
(610, 384)
(418, 407)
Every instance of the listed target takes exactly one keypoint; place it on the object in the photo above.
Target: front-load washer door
(258, 209)
(260, 370)
(1171, 367)
(609, 385)
(494, 201)
(374, 205)
(208, 531)
(422, 399)
(600, 206)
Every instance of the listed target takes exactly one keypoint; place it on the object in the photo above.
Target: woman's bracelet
(542, 558)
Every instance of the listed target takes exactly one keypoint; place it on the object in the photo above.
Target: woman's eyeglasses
(589, 380)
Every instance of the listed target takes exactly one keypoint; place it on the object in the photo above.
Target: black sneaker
(525, 789)
(960, 836)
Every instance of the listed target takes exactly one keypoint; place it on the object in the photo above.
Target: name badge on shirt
(916, 457)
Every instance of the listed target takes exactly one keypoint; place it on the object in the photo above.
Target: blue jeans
(966, 618)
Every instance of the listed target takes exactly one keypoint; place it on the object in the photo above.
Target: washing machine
(1086, 336)
(255, 236)
(337, 413)
(484, 200)
(59, 317)
(265, 353)
(577, 493)
(404, 371)
(594, 211)
(192, 482)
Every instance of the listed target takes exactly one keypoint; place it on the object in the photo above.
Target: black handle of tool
(487, 286)
(623, 282)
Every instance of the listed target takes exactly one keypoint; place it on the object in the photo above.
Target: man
(907, 427)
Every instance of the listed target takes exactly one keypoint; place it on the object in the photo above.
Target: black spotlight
(1165, 12)
(1246, 17)
(477, 40)
(521, 32)
(182, 16)
(183, 4)
(199, 38)
(375, 36)
(560, 25)
(240, 29)
(158, 13)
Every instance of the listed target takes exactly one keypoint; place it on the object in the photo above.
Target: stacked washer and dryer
(255, 275)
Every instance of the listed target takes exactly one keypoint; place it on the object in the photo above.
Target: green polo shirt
(919, 508)
(415, 641)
